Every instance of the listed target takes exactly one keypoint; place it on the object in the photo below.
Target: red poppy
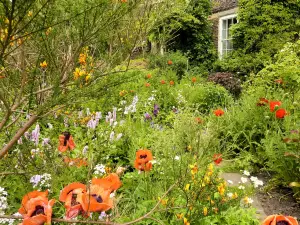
(219, 112)
(281, 113)
(194, 79)
(217, 158)
(172, 82)
(279, 81)
(198, 120)
(274, 104)
(36, 209)
(66, 142)
(163, 82)
(170, 62)
(143, 160)
(262, 102)
(149, 76)
(276, 219)
(147, 84)
(72, 195)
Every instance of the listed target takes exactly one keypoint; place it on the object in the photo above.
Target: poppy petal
(64, 193)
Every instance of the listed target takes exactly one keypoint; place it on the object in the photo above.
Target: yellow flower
(48, 31)
(82, 58)
(29, 13)
(185, 221)
(210, 167)
(187, 187)
(164, 202)
(212, 202)
(205, 211)
(179, 216)
(88, 77)
(206, 179)
(43, 64)
(221, 189)
(189, 147)
(194, 169)
(235, 195)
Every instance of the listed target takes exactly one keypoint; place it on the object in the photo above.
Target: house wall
(221, 8)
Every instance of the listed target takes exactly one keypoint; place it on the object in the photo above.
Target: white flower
(241, 187)
(112, 195)
(244, 180)
(229, 195)
(99, 169)
(229, 181)
(153, 161)
(246, 173)
(253, 179)
(258, 183)
(177, 157)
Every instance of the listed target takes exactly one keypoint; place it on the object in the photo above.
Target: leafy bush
(264, 27)
(173, 60)
(228, 81)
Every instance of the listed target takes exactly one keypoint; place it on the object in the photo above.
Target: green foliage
(263, 28)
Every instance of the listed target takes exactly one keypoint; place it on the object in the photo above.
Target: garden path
(236, 180)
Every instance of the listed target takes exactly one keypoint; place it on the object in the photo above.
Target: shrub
(228, 81)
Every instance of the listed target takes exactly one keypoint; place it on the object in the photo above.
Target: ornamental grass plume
(36, 209)
(280, 220)
(66, 142)
(143, 160)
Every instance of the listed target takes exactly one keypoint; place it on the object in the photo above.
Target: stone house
(224, 15)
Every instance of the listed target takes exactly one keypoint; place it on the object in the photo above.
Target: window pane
(229, 23)
(224, 45)
(229, 44)
(224, 34)
(224, 25)
(234, 20)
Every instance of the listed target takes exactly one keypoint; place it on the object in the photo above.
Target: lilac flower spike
(35, 134)
(156, 110)
(114, 114)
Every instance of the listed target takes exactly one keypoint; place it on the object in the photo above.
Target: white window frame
(220, 46)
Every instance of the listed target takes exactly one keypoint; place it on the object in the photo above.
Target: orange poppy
(66, 142)
(198, 120)
(111, 182)
(72, 195)
(194, 79)
(170, 62)
(149, 76)
(147, 84)
(281, 113)
(279, 81)
(75, 162)
(219, 112)
(97, 199)
(36, 208)
(143, 160)
(163, 82)
(172, 82)
(262, 102)
(274, 104)
(276, 219)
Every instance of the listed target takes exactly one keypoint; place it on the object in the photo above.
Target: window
(225, 39)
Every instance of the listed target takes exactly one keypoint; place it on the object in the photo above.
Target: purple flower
(35, 134)
(114, 114)
(147, 116)
(46, 142)
(119, 136)
(92, 124)
(27, 135)
(98, 115)
(111, 136)
(294, 132)
(156, 110)
(34, 180)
